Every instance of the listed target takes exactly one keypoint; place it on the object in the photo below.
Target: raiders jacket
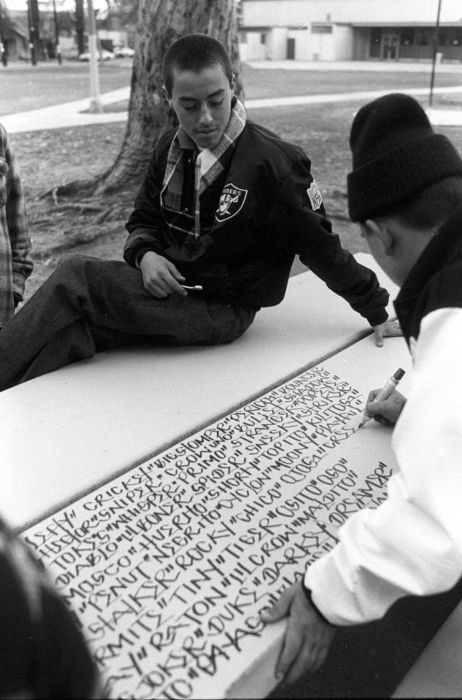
(263, 210)
(412, 543)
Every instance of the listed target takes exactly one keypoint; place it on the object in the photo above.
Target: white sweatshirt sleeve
(412, 543)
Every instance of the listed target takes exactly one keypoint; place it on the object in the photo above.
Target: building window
(423, 37)
(263, 38)
(321, 29)
(243, 37)
(376, 37)
(375, 46)
(443, 37)
(407, 37)
(457, 41)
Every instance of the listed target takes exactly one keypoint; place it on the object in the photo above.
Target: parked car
(103, 55)
(123, 52)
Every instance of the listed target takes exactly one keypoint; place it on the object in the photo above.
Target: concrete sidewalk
(374, 66)
(66, 114)
(71, 114)
(448, 117)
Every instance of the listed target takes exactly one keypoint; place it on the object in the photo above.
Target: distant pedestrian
(15, 245)
(4, 54)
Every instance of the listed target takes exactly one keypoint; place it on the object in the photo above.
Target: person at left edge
(226, 205)
(43, 650)
(15, 245)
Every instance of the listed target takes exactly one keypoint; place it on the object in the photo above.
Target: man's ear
(383, 233)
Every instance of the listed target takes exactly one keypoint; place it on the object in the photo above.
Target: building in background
(14, 37)
(57, 24)
(345, 30)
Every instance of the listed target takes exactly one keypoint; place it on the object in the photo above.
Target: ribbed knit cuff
(140, 254)
(378, 318)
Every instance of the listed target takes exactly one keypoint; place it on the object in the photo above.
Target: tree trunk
(160, 22)
(80, 25)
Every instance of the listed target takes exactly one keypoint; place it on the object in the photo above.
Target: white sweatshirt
(412, 543)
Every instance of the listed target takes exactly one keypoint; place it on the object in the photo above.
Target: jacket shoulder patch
(314, 195)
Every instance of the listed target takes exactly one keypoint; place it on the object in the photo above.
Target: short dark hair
(194, 52)
(431, 206)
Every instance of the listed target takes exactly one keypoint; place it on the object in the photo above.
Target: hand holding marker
(383, 395)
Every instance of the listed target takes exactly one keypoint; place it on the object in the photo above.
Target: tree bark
(80, 25)
(160, 22)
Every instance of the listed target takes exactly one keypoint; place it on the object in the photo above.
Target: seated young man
(405, 190)
(225, 206)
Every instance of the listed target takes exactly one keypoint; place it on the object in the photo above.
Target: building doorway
(291, 49)
(390, 46)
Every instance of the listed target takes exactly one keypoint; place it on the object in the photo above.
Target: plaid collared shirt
(208, 167)
(15, 245)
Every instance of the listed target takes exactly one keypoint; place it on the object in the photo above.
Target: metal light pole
(95, 101)
(435, 49)
(33, 20)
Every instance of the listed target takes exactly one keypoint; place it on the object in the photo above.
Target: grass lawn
(54, 157)
(261, 83)
(48, 83)
(24, 87)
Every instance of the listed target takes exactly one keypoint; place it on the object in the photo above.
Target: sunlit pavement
(67, 114)
(388, 66)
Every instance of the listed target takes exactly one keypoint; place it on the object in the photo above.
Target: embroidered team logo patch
(314, 195)
(231, 202)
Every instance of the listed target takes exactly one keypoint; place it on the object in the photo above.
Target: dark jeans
(88, 305)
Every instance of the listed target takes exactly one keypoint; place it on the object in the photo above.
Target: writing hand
(385, 412)
(388, 329)
(307, 638)
(160, 276)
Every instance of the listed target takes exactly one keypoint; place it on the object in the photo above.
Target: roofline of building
(425, 25)
(362, 25)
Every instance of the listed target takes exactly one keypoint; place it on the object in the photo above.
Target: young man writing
(405, 191)
(224, 208)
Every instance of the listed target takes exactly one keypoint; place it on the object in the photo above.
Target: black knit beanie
(396, 154)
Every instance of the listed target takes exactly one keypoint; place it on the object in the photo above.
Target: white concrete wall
(302, 44)
(324, 47)
(277, 44)
(343, 48)
(118, 38)
(308, 47)
(253, 49)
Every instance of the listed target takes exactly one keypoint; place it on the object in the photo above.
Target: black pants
(88, 305)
